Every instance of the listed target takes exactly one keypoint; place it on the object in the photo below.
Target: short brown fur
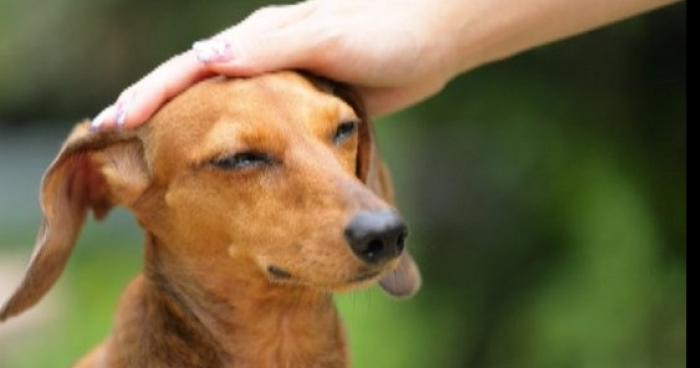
(239, 265)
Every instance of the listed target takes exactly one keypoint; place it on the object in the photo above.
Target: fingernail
(99, 120)
(123, 106)
(122, 111)
(213, 51)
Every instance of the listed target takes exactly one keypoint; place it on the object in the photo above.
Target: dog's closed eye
(243, 161)
(344, 131)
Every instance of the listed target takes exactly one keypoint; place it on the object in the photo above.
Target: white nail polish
(203, 53)
(123, 108)
(121, 115)
(99, 120)
(213, 51)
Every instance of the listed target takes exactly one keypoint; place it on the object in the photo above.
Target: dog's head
(276, 175)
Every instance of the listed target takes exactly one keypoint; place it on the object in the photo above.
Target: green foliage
(546, 194)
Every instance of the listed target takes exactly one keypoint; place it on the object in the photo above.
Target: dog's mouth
(364, 277)
(280, 274)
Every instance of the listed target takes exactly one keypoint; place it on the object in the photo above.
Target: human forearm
(483, 31)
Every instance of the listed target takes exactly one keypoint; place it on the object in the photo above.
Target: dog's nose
(376, 236)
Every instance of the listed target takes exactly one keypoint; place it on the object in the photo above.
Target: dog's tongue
(404, 280)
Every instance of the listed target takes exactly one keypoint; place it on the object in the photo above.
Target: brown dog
(259, 198)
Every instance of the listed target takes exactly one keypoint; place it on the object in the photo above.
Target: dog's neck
(170, 320)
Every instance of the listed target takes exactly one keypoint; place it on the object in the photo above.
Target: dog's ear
(404, 280)
(91, 172)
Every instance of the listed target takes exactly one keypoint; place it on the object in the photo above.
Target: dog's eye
(243, 161)
(344, 131)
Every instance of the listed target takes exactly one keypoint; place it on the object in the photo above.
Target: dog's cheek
(194, 217)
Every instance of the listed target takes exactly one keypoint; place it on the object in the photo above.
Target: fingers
(244, 54)
(161, 85)
(100, 121)
(260, 43)
(271, 39)
(222, 48)
(138, 103)
(300, 36)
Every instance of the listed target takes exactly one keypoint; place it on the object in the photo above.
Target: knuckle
(329, 42)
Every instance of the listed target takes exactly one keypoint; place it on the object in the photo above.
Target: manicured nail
(122, 111)
(99, 120)
(213, 51)
(123, 106)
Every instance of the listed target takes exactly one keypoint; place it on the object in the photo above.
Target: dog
(259, 197)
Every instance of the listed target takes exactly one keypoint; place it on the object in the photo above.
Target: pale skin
(395, 53)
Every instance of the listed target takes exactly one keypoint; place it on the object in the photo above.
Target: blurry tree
(546, 193)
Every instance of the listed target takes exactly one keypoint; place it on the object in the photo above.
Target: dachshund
(259, 198)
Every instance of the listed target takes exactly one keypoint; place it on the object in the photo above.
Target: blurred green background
(546, 194)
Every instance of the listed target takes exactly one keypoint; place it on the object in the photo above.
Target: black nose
(376, 236)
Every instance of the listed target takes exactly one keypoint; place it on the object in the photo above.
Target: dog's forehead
(280, 103)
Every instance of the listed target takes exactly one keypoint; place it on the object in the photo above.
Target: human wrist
(484, 31)
(455, 34)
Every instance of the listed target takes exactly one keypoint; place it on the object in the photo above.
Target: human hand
(394, 52)
(390, 51)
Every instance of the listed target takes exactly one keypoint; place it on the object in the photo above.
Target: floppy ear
(91, 171)
(404, 280)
